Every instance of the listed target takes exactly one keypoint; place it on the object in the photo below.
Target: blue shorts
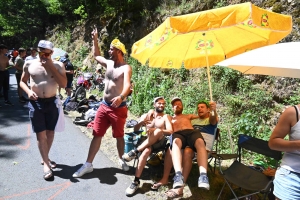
(43, 114)
(286, 184)
(69, 84)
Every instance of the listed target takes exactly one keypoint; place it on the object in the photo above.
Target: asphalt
(21, 174)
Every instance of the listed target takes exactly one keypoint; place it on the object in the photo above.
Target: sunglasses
(45, 54)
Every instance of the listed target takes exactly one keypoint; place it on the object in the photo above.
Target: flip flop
(172, 194)
(47, 175)
(156, 186)
(51, 163)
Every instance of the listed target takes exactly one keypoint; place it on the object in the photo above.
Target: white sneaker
(83, 170)
(123, 164)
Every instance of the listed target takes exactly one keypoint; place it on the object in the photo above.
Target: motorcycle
(84, 82)
(98, 83)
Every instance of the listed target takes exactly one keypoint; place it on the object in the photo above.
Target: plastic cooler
(131, 140)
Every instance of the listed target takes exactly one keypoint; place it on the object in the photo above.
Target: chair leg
(221, 191)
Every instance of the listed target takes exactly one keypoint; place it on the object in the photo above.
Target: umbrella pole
(208, 71)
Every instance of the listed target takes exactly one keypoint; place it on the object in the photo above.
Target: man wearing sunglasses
(45, 76)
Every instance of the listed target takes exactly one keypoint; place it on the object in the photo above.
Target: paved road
(21, 174)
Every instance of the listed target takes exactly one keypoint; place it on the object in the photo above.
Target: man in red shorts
(113, 109)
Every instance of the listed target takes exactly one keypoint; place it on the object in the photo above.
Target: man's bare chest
(40, 72)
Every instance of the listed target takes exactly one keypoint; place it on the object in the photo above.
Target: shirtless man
(113, 109)
(158, 125)
(185, 135)
(45, 75)
(4, 74)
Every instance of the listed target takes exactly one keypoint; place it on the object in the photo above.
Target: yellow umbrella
(205, 38)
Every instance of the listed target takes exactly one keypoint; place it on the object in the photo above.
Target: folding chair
(216, 153)
(154, 152)
(243, 176)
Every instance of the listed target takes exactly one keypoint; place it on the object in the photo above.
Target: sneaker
(132, 188)
(129, 156)
(178, 181)
(8, 103)
(21, 100)
(203, 181)
(123, 164)
(83, 170)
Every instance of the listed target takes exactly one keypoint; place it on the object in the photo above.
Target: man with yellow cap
(113, 109)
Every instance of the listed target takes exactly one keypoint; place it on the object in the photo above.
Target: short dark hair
(203, 101)
(33, 48)
(21, 50)
(2, 46)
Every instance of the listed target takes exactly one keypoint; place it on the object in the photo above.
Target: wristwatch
(122, 97)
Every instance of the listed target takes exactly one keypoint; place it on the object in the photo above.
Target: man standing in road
(45, 75)
(4, 74)
(113, 109)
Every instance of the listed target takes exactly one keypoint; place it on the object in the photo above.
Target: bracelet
(122, 97)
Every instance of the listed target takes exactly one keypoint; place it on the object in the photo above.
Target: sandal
(171, 194)
(156, 186)
(47, 175)
(51, 163)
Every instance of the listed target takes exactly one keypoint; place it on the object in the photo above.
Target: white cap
(46, 44)
(175, 99)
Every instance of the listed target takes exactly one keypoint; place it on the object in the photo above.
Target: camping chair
(243, 176)
(216, 153)
(154, 152)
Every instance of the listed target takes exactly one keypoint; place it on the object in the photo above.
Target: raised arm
(213, 119)
(96, 49)
(283, 127)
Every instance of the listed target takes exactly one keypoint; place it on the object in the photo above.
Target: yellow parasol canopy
(230, 31)
(205, 38)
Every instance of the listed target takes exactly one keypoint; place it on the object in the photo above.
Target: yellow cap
(119, 45)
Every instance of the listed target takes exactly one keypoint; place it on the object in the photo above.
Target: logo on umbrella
(200, 45)
(264, 20)
(164, 37)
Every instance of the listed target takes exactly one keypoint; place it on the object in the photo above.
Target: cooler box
(131, 140)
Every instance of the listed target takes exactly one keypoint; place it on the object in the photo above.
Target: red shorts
(107, 116)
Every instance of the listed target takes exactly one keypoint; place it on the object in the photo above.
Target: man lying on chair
(157, 125)
(207, 125)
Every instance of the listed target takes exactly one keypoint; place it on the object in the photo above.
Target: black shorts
(188, 137)
(43, 114)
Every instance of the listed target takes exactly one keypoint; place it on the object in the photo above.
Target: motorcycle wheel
(80, 94)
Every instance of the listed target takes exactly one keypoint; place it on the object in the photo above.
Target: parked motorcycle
(98, 83)
(84, 82)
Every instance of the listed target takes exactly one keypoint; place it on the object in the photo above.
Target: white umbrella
(281, 59)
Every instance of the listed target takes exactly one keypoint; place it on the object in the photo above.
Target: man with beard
(113, 109)
(207, 125)
(185, 135)
(158, 125)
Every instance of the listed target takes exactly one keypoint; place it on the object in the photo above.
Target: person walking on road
(4, 74)
(19, 62)
(113, 109)
(45, 75)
